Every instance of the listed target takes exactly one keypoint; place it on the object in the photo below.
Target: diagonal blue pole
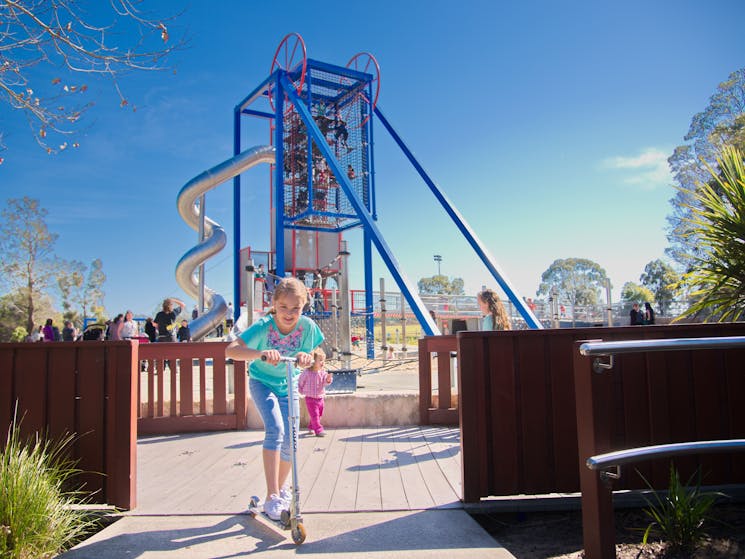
(466, 230)
(412, 296)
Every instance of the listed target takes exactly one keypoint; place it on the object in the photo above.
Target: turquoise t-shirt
(488, 322)
(264, 334)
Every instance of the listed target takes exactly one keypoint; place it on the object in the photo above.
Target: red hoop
(366, 62)
(287, 57)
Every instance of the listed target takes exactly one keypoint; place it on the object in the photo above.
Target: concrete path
(409, 534)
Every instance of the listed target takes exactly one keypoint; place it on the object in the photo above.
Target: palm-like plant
(717, 278)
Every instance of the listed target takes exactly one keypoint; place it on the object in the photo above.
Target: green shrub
(679, 517)
(37, 518)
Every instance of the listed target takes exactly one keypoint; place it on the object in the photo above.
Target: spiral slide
(214, 235)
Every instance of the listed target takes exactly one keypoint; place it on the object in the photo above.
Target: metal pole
(403, 325)
(202, 213)
(384, 341)
(335, 323)
(345, 317)
(250, 291)
(608, 299)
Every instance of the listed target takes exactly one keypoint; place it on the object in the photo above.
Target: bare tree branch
(62, 34)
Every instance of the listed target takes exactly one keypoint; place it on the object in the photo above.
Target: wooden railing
(437, 408)
(84, 389)
(520, 426)
(190, 387)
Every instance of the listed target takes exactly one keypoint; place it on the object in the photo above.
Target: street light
(438, 259)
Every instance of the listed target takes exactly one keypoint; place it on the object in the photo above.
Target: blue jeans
(274, 414)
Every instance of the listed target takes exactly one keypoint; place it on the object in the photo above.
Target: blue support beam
(407, 289)
(466, 231)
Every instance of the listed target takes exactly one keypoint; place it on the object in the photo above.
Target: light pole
(438, 259)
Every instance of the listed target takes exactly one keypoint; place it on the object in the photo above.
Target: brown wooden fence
(185, 388)
(519, 420)
(436, 407)
(82, 388)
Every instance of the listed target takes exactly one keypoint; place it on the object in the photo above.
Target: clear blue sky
(548, 124)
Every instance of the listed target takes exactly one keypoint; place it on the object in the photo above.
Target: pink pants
(315, 411)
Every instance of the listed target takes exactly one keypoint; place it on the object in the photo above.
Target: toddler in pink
(311, 384)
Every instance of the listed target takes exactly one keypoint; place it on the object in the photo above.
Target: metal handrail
(665, 344)
(621, 457)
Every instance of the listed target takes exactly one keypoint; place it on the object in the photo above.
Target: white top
(129, 329)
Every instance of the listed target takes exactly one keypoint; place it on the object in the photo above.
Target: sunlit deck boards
(352, 469)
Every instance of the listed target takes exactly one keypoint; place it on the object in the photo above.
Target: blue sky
(547, 124)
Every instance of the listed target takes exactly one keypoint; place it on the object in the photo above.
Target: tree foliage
(717, 220)
(634, 293)
(721, 123)
(660, 278)
(441, 285)
(577, 280)
(27, 246)
(78, 41)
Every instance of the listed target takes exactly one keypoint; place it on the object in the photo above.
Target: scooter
(289, 519)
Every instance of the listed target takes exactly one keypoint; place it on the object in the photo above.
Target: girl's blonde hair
(497, 311)
(289, 286)
(317, 354)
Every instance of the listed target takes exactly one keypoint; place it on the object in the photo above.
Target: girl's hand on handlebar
(304, 359)
(271, 356)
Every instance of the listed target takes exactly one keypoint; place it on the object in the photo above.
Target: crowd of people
(163, 328)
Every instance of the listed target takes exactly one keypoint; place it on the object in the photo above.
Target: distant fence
(519, 423)
(82, 388)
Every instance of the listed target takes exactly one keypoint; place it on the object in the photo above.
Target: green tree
(441, 285)
(12, 316)
(717, 220)
(81, 295)
(76, 45)
(91, 299)
(27, 266)
(721, 123)
(634, 293)
(577, 280)
(661, 279)
(70, 282)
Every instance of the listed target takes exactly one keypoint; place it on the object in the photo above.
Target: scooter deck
(295, 525)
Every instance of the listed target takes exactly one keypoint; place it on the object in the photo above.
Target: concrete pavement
(407, 534)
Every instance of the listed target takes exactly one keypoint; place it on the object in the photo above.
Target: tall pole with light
(438, 259)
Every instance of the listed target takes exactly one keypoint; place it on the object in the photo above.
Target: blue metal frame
(465, 230)
(411, 295)
(365, 211)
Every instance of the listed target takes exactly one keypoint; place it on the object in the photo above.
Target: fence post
(593, 401)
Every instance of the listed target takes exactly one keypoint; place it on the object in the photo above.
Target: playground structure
(322, 184)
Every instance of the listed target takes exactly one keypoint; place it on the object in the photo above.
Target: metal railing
(609, 349)
(631, 455)
(599, 502)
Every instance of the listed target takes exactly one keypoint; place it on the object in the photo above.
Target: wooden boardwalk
(350, 470)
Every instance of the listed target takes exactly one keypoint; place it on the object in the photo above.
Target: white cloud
(648, 170)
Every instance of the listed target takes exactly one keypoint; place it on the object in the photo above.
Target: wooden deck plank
(344, 497)
(355, 469)
(417, 492)
(392, 494)
(322, 488)
(368, 487)
(437, 484)
(445, 446)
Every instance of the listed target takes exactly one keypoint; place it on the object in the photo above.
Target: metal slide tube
(214, 235)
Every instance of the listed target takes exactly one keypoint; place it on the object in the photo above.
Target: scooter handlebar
(283, 358)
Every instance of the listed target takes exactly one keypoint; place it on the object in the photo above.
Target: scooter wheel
(284, 518)
(298, 533)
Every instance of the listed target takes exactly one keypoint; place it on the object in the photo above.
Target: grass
(37, 514)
